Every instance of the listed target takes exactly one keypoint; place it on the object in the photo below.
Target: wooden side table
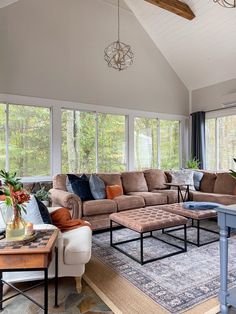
(181, 197)
(31, 256)
(226, 219)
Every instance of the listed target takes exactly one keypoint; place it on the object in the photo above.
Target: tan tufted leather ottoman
(147, 220)
(196, 216)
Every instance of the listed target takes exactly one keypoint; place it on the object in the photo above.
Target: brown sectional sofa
(141, 189)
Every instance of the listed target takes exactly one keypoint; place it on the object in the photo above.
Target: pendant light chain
(118, 20)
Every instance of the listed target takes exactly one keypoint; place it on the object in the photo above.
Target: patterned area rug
(177, 283)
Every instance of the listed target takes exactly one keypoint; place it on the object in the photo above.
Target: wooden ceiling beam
(174, 6)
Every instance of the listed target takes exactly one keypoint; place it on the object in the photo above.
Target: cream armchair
(74, 251)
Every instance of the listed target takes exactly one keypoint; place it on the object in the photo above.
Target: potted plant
(43, 196)
(233, 173)
(192, 163)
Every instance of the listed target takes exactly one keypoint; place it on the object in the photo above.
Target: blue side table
(226, 219)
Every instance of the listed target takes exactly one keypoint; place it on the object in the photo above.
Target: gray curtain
(199, 138)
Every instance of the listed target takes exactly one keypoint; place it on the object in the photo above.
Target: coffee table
(196, 217)
(145, 221)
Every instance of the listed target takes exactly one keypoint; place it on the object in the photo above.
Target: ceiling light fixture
(118, 55)
(226, 3)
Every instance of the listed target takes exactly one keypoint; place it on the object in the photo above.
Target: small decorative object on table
(14, 197)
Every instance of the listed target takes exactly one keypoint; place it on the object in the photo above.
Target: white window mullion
(7, 136)
(158, 144)
(217, 144)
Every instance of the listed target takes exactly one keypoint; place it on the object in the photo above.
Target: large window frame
(216, 114)
(56, 106)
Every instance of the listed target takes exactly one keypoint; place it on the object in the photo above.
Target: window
(221, 143)
(211, 144)
(80, 136)
(169, 144)
(27, 143)
(78, 141)
(145, 143)
(111, 143)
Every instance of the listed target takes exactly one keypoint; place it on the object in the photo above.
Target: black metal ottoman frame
(141, 238)
(198, 227)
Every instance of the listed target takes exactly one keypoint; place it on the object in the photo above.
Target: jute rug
(188, 282)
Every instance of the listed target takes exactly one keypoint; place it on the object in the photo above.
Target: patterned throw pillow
(36, 212)
(97, 187)
(80, 186)
(113, 191)
(184, 176)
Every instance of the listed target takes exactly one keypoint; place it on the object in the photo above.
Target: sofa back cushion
(59, 182)
(111, 179)
(208, 182)
(224, 184)
(155, 179)
(134, 181)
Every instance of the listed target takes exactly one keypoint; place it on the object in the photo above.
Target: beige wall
(212, 97)
(54, 49)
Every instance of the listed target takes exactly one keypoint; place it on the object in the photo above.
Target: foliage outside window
(145, 143)
(80, 133)
(78, 141)
(169, 144)
(28, 140)
(2, 137)
(221, 143)
(111, 143)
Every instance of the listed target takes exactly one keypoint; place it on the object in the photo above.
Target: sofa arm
(68, 200)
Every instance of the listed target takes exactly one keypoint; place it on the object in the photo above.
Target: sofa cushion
(97, 187)
(155, 179)
(59, 182)
(111, 178)
(224, 184)
(77, 246)
(125, 202)
(208, 182)
(96, 207)
(134, 181)
(113, 191)
(213, 197)
(151, 198)
(172, 195)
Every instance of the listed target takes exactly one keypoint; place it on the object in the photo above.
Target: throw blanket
(61, 218)
(201, 205)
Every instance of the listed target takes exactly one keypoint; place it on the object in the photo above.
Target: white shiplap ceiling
(201, 51)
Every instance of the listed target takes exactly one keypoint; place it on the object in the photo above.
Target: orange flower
(21, 196)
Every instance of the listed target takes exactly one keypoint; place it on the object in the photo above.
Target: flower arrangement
(12, 192)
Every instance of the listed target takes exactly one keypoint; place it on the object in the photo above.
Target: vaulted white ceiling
(201, 51)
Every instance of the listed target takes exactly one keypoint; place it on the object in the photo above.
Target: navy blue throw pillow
(44, 212)
(80, 186)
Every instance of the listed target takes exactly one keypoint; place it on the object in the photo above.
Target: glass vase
(15, 226)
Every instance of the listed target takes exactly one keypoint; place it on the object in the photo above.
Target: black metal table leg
(141, 248)
(1, 292)
(178, 194)
(198, 232)
(56, 277)
(111, 241)
(45, 291)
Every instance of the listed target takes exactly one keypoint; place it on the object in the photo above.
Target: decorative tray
(26, 239)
